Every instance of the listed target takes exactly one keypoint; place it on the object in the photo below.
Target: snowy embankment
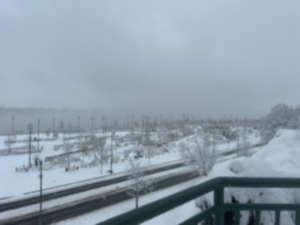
(279, 158)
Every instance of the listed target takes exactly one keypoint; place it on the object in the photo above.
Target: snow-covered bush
(199, 153)
(280, 117)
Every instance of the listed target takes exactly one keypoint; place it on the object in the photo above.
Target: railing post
(218, 202)
(297, 216)
(257, 217)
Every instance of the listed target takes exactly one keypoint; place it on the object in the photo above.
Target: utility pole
(104, 123)
(111, 152)
(78, 124)
(38, 134)
(29, 147)
(102, 126)
(99, 125)
(143, 122)
(92, 124)
(238, 145)
(127, 123)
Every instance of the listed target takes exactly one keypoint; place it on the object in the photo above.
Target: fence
(215, 214)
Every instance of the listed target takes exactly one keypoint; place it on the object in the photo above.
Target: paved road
(97, 202)
(79, 189)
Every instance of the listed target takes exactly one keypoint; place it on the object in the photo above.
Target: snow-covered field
(279, 158)
(18, 185)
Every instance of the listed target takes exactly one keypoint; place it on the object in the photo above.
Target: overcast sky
(208, 57)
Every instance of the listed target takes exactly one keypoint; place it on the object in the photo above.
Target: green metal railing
(215, 214)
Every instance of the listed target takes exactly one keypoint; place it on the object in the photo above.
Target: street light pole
(78, 124)
(29, 143)
(111, 153)
(38, 135)
(92, 124)
(238, 145)
(39, 163)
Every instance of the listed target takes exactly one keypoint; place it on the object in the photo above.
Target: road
(97, 202)
(81, 188)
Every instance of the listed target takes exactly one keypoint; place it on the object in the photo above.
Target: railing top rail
(268, 182)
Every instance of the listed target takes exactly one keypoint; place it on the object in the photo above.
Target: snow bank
(279, 158)
(283, 151)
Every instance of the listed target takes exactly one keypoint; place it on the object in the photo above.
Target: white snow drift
(279, 158)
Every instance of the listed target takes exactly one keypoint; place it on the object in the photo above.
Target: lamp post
(238, 144)
(29, 144)
(92, 124)
(111, 152)
(39, 163)
(78, 124)
(38, 135)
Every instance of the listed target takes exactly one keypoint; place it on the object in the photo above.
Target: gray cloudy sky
(214, 56)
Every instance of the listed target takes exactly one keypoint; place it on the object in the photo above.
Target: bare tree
(244, 144)
(140, 185)
(200, 155)
(67, 147)
(67, 150)
(100, 151)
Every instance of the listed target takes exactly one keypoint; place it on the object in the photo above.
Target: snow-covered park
(22, 184)
(75, 159)
(279, 158)
(18, 183)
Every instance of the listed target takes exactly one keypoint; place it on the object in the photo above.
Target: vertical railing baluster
(277, 217)
(207, 221)
(257, 217)
(298, 216)
(218, 202)
(237, 217)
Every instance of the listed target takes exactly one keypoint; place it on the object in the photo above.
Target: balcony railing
(215, 214)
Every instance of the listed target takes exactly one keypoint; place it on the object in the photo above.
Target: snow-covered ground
(279, 158)
(175, 216)
(16, 184)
